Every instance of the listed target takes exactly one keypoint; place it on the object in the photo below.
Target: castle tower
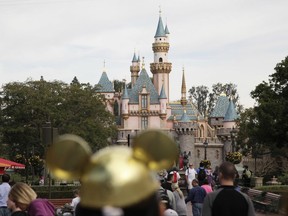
(186, 130)
(125, 101)
(161, 68)
(183, 91)
(134, 69)
(163, 103)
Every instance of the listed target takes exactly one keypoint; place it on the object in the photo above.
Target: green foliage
(57, 192)
(283, 179)
(265, 126)
(75, 108)
(206, 101)
(234, 157)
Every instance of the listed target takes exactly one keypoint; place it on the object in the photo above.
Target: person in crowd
(4, 191)
(76, 199)
(15, 211)
(206, 186)
(25, 198)
(167, 195)
(167, 184)
(196, 197)
(246, 176)
(201, 173)
(181, 208)
(170, 212)
(215, 175)
(190, 174)
(227, 201)
(209, 176)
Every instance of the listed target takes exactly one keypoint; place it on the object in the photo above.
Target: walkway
(189, 211)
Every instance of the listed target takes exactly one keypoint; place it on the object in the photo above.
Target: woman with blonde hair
(25, 198)
(181, 208)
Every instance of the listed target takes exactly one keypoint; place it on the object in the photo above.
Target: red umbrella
(12, 164)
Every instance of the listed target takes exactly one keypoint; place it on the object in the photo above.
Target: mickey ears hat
(113, 175)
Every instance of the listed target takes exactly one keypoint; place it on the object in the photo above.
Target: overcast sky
(238, 41)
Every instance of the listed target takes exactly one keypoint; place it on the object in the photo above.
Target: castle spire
(160, 32)
(183, 90)
(134, 69)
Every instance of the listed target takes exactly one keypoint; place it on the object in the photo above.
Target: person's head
(245, 167)
(11, 205)
(174, 186)
(5, 178)
(22, 195)
(195, 182)
(76, 192)
(227, 171)
(201, 164)
(205, 181)
(191, 165)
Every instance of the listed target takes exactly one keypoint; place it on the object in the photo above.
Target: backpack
(201, 174)
(163, 194)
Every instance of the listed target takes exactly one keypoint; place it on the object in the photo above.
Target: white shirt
(4, 191)
(74, 202)
(191, 174)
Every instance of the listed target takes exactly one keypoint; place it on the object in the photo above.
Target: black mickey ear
(155, 149)
(67, 157)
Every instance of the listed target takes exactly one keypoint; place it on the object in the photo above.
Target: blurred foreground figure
(25, 198)
(227, 201)
(117, 180)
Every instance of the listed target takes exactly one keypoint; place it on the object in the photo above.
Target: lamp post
(205, 146)
(233, 134)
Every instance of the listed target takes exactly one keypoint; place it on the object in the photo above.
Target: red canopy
(12, 164)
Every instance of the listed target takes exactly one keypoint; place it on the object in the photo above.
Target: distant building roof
(143, 80)
(191, 112)
(160, 32)
(231, 113)
(220, 108)
(105, 85)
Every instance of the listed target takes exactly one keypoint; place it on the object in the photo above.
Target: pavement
(189, 212)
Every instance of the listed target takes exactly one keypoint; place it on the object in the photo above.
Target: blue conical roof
(134, 58)
(105, 85)
(160, 32)
(220, 108)
(125, 94)
(143, 80)
(162, 93)
(184, 117)
(166, 30)
(231, 114)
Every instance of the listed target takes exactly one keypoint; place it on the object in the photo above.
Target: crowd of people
(210, 193)
(21, 200)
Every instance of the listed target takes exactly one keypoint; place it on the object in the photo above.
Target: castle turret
(161, 67)
(183, 91)
(163, 103)
(125, 101)
(134, 69)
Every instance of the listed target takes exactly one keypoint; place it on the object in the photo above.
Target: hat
(170, 212)
(113, 175)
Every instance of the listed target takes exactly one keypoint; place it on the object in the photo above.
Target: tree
(74, 108)
(206, 101)
(267, 124)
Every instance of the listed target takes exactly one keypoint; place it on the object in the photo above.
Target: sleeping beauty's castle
(146, 104)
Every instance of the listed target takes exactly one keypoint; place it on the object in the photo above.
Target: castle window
(160, 60)
(144, 122)
(144, 102)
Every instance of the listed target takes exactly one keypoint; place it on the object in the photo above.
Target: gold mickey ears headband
(112, 175)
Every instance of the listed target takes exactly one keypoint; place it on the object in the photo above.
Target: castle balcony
(160, 47)
(161, 67)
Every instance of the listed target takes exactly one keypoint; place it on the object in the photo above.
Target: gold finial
(104, 66)
(143, 63)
